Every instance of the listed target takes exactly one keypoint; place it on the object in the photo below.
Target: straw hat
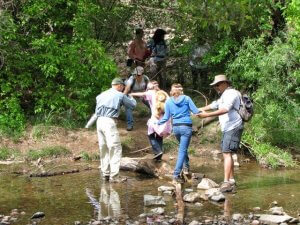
(220, 78)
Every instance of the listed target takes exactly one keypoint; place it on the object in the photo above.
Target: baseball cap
(138, 70)
(117, 80)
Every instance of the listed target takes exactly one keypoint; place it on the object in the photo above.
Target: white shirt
(138, 87)
(229, 100)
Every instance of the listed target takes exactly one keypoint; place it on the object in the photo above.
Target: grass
(40, 131)
(48, 152)
(7, 153)
(89, 157)
(170, 145)
(127, 142)
(268, 154)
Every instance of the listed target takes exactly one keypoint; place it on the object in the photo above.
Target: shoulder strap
(133, 82)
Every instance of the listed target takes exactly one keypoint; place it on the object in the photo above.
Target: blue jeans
(129, 114)
(156, 142)
(183, 134)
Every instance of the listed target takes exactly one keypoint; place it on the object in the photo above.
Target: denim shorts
(231, 140)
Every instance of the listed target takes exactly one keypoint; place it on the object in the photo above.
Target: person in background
(137, 82)
(179, 108)
(159, 52)
(226, 107)
(137, 49)
(108, 105)
(156, 133)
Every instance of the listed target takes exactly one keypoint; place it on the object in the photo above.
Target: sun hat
(138, 70)
(219, 78)
(117, 80)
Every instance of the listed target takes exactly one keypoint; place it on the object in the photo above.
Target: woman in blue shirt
(179, 107)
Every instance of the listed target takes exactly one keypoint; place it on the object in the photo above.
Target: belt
(183, 124)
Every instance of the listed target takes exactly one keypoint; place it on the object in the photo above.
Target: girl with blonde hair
(179, 108)
(156, 133)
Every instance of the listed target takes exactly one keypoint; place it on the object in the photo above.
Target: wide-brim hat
(138, 70)
(219, 78)
(117, 80)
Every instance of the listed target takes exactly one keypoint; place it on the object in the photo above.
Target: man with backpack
(227, 108)
(137, 82)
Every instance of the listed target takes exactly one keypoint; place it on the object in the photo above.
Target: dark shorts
(231, 140)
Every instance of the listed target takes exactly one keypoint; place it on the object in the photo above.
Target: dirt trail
(77, 140)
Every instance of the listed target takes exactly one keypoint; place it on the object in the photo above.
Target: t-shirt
(137, 49)
(138, 86)
(229, 100)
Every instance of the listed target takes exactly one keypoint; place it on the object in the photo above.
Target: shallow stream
(64, 199)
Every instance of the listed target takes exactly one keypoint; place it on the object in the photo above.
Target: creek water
(65, 199)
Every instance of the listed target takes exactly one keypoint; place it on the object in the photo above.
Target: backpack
(133, 83)
(246, 107)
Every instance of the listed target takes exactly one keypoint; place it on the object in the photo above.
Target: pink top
(162, 130)
(137, 49)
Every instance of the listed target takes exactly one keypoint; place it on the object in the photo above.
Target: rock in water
(38, 215)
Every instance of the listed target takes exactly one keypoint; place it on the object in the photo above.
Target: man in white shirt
(226, 107)
(137, 82)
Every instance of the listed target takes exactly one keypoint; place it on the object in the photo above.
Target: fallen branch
(48, 174)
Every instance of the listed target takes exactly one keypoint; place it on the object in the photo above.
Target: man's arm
(214, 113)
(127, 89)
(130, 51)
(129, 102)
(137, 94)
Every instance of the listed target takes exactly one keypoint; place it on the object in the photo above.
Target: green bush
(56, 69)
(271, 74)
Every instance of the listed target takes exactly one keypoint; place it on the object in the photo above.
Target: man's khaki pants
(109, 145)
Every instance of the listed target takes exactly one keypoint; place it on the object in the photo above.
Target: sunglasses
(218, 84)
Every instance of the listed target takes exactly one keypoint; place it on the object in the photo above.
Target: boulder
(165, 188)
(153, 200)
(217, 197)
(158, 211)
(276, 210)
(212, 191)
(237, 217)
(274, 219)
(194, 222)
(191, 197)
(206, 184)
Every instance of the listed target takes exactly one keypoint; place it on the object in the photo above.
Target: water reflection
(227, 209)
(108, 207)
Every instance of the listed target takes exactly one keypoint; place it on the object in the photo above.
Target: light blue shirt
(109, 103)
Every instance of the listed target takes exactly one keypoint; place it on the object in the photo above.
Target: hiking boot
(186, 171)
(117, 179)
(226, 187)
(177, 180)
(129, 128)
(158, 156)
(234, 186)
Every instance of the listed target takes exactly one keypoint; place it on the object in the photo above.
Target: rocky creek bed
(263, 197)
